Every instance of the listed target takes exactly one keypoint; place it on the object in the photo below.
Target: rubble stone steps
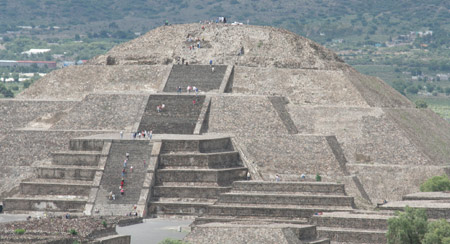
(49, 203)
(200, 76)
(80, 158)
(172, 207)
(298, 199)
(436, 209)
(351, 220)
(55, 187)
(280, 187)
(200, 160)
(202, 146)
(178, 117)
(249, 219)
(189, 191)
(139, 152)
(265, 210)
(86, 173)
(342, 235)
(223, 177)
(188, 184)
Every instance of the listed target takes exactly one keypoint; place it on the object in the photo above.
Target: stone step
(342, 235)
(169, 207)
(351, 220)
(266, 210)
(201, 145)
(223, 177)
(55, 187)
(49, 203)
(317, 241)
(248, 219)
(67, 172)
(436, 209)
(298, 199)
(80, 144)
(189, 191)
(427, 196)
(279, 187)
(188, 184)
(200, 160)
(79, 158)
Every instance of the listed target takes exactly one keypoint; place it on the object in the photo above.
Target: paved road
(153, 231)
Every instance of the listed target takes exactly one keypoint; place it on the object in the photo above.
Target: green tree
(436, 183)
(447, 91)
(409, 226)
(438, 233)
(412, 90)
(421, 104)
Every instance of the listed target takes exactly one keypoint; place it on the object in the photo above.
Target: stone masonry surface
(75, 82)
(200, 76)
(104, 112)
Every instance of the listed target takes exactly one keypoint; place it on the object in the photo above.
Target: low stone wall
(313, 187)
(351, 221)
(76, 158)
(189, 192)
(52, 205)
(86, 144)
(33, 188)
(221, 177)
(286, 199)
(219, 160)
(66, 173)
(203, 146)
(352, 236)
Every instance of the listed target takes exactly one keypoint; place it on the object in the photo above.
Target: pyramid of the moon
(292, 106)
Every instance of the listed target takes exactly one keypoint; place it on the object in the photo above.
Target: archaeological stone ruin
(231, 155)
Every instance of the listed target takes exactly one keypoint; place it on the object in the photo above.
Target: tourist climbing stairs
(200, 76)
(179, 115)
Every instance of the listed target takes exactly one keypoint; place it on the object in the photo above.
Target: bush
(19, 231)
(318, 177)
(73, 232)
(412, 90)
(421, 104)
(15, 88)
(171, 241)
(104, 223)
(436, 183)
(438, 233)
(409, 226)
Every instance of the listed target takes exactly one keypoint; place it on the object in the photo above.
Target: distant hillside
(320, 18)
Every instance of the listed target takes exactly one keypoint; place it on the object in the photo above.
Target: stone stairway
(139, 157)
(353, 227)
(192, 173)
(278, 202)
(200, 76)
(63, 185)
(178, 117)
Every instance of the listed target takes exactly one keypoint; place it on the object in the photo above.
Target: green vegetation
(411, 226)
(19, 231)
(436, 183)
(318, 177)
(172, 241)
(104, 223)
(421, 104)
(438, 233)
(73, 232)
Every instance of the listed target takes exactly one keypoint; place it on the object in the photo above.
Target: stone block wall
(104, 112)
